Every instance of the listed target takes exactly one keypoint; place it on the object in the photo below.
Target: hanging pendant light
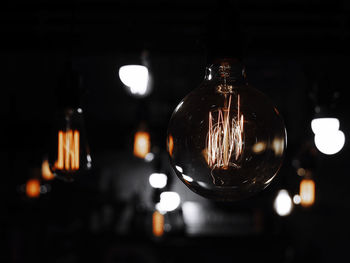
(69, 154)
(328, 139)
(226, 140)
(226, 136)
(136, 76)
(307, 192)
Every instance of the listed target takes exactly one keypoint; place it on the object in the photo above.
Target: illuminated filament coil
(225, 137)
(68, 150)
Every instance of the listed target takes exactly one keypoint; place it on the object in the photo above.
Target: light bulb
(158, 180)
(324, 125)
(226, 136)
(283, 203)
(157, 224)
(33, 188)
(69, 154)
(330, 143)
(169, 201)
(296, 199)
(142, 144)
(307, 192)
(136, 79)
(328, 138)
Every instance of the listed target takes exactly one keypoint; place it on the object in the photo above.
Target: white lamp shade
(136, 78)
(324, 125)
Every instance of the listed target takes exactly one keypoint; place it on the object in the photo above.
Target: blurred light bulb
(283, 203)
(301, 171)
(136, 78)
(296, 199)
(157, 224)
(69, 154)
(33, 188)
(330, 143)
(307, 192)
(169, 201)
(328, 138)
(142, 144)
(149, 157)
(320, 125)
(226, 135)
(158, 180)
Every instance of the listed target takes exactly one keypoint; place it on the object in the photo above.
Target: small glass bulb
(226, 136)
(283, 203)
(69, 152)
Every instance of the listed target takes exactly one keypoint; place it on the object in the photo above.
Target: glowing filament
(68, 150)
(225, 137)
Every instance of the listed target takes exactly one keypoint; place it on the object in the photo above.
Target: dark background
(292, 49)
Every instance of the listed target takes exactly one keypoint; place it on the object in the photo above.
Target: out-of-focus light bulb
(45, 171)
(136, 78)
(157, 224)
(296, 199)
(226, 136)
(169, 201)
(158, 180)
(70, 153)
(142, 144)
(328, 138)
(149, 157)
(330, 143)
(33, 188)
(321, 125)
(283, 203)
(301, 171)
(307, 192)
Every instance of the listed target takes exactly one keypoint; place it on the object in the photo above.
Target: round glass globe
(226, 140)
(329, 142)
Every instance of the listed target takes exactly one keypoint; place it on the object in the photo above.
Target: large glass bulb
(226, 140)
(69, 152)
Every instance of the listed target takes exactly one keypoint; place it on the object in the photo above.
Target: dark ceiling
(292, 49)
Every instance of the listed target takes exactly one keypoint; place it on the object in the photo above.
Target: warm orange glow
(142, 144)
(45, 171)
(170, 144)
(307, 192)
(259, 147)
(68, 150)
(301, 171)
(158, 224)
(33, 188)
(225, 137)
